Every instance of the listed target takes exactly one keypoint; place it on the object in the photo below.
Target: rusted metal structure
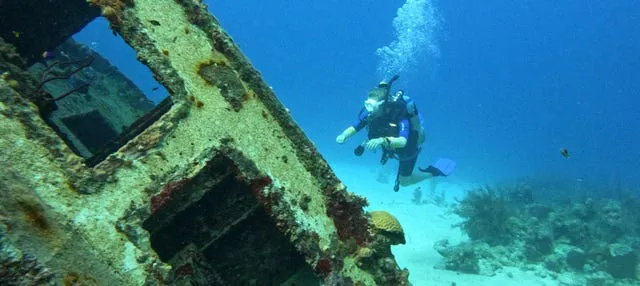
(215, 186)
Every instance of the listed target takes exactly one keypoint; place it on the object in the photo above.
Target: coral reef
(18, 268)
(112, 10)
(595, 241)
(432, 197)
(376, 256)
(13, 69)
(417, 196)
(347, 215)
(478, 258)
(386, 224)
(487, 216)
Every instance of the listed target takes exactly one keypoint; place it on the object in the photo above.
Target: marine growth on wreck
(214, 185)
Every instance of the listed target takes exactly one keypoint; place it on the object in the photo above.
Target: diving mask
(371, 105)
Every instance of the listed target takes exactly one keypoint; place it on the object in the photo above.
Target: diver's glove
(374, 143)
(396, 142)
(387, 142)
(345, 135)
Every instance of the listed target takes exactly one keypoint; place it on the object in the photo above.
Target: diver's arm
(354, 128)
(403, 135)
(350, 131)
(386, 142)
(395, 142)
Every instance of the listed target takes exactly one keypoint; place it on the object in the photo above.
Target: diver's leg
(407, 177)
(413, 178)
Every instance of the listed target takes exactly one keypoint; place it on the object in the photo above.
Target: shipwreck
(214, 185)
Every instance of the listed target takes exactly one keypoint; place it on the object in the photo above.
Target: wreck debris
(46, 103)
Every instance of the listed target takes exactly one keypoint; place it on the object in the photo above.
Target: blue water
(502, 85)
(510, 85)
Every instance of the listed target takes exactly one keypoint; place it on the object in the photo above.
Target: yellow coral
(364, 252)
(112, 10)
(13, 83)
(364, 256)
(383, 220)
(386, 224)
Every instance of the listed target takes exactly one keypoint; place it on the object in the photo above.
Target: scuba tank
(415, 119)
(407, 108)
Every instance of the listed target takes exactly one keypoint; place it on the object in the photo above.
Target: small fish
(47, 55)
(565, 153)
(16, 34)
(154, 22)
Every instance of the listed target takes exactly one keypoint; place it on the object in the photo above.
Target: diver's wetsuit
(386, 126)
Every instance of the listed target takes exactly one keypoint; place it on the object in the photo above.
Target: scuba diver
(395, 126)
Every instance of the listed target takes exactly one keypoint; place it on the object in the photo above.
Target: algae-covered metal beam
(223, 189)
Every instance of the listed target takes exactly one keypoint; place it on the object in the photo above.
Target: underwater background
(503, 87)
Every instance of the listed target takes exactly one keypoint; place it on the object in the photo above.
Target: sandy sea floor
(424, 224)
